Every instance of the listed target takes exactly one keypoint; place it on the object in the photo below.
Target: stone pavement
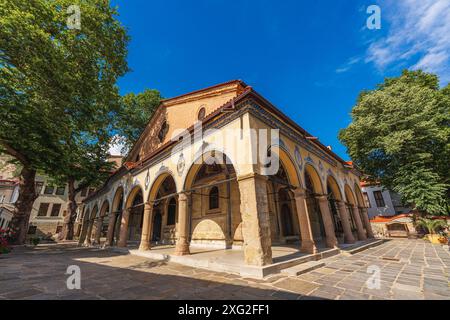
(408, 269)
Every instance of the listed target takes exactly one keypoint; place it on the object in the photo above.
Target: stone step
(302, 268)
(358, 248)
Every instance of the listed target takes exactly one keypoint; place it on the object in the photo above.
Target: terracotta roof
(378, 219)
(206, 89)
(248, 91)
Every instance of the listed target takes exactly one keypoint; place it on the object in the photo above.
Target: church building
(223, 168)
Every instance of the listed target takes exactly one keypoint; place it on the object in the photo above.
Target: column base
(331, 242)
(182, 249)
(362, 237)
(350, 241)
(122, 245)
(308, 247)
(144, 246)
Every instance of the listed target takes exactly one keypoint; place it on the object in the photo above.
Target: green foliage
(133, 116)
(431, 225)
(399, 136)
(57, 85)
(58, 88)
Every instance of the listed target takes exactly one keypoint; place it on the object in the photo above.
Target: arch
(157, 183)
(117, 202)
(213, 171)
(210, 226)
(132, 196)
(286, 161)
(333, 187)
(315, 180)
(94, 212)
(104, 208)
(359, 197)
(349, 196)
(202, 159)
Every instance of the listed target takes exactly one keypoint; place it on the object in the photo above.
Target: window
(214, 198)
(366, 199)
(55, 209)
(84, 192)
(39, 186)
(379, 198)
(43, 208)
(171, 212)
(61, 190)
(163, 131)
(49, 189)
(201, 114)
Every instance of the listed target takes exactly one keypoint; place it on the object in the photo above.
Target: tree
(84, 164)
(431, 225)
(55, 81)
(133, 115)
(399, 136)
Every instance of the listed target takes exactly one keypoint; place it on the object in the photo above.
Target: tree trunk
(24, 204)
(68, 227)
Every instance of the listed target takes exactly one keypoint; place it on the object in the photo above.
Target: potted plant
(432, 225)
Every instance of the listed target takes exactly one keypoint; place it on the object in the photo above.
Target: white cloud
(348, 65)
(418, 37)
(115, 148)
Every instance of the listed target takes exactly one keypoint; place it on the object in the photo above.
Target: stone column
(308, 244)
(110, 234)
(84, 228)
(124, 228)
(366, 221)
(182, 245)
(87, 241)
(146, 227)
(343, 214)
(98, 230)
(359, 225)
(254, 209)
(331, 239)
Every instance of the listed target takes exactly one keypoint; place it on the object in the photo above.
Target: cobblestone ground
(409, 269)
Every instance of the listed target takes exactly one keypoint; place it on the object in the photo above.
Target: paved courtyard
(408, 269)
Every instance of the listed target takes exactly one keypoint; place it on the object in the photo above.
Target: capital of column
(148, 206)
(322, 198)
(299, 192)
(183, 196)
(252, 175)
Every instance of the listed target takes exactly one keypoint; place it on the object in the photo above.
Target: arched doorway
(334, 195)
(163, 196)
(283, 216)
(117, 207)
(214, 213)
(157, 225)
(136, 207)
(349, 203)
(312, 204)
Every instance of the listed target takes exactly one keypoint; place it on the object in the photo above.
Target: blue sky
(309, 58)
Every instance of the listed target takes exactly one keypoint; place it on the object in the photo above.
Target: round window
(201, 113)
(163, 131)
